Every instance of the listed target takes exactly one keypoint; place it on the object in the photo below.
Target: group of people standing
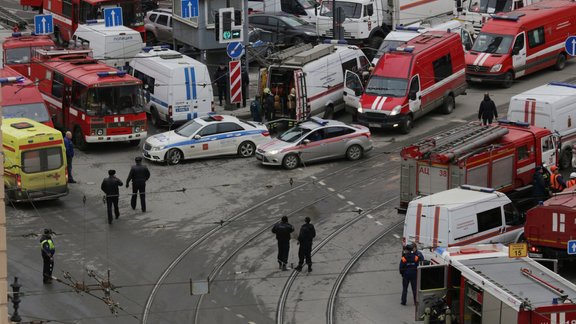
(545, 183)
(283, 231)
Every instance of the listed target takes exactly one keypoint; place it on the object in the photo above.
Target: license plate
(118, 139)
(181, 109)
(374, 125)
(475, 79)
(258, 156)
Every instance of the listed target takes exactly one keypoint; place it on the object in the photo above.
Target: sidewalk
(242, 113)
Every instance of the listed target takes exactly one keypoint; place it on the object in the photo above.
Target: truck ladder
(282, 55)
(529, 274)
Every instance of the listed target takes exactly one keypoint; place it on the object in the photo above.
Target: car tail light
(369, 135)
(18, 181)
(534, 249)
(170, 111)
(266, 133)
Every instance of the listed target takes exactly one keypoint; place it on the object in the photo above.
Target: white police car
(206, 136)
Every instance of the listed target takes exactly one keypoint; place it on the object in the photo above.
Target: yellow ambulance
(34, 161)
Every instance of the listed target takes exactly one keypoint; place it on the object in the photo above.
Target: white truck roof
(106, 31)
(167, 58)
(454, 199)
(552, 93)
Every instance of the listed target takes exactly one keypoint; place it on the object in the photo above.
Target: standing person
(110, 187)
(283, 231)
(570, 183)
(418, 253)
(139, 174)
(292, 104)
(221, 79)
(48, 250)
(268, 104)
(487, 111)
(69, 155)
(539, 191)
(307, 234)
(557, 183)
(408, 270)
(245, 84)
(255, 110)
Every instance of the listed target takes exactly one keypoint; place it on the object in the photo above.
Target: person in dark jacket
(69, 155)
(48, 250)
(221, 79)
(139, 174)
(245, 84)
(307, 234)
(255, 110)
(487, 111)
(408, 270)
(283, 230)
(110, 187)
(539, 187)
(268, 104)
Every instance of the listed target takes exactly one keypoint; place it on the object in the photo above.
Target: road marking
(212, 300)
(251, 322)
(341, 196)
(455, 120)
(322, 182)
(350, 203)
(378, 222)
(313, 177)
(369, 216)
(332, 189)
(226, 308)
(396, 236)
(240, 315)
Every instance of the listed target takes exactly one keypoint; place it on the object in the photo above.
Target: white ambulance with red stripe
(462, 216)
(410, 81)
(551, 106)
(521, 42)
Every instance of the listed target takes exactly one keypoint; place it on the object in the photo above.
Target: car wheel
(560, 62)
(354, 152)
(406, 126)
(565, 160)
(246, 149)
(508, 80)
(448, 106)
(79, 139)
(154, 117)
(291, 161)
(174, 156)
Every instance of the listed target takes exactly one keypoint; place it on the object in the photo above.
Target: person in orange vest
(557, 183)
(570, 183)
(408, 270)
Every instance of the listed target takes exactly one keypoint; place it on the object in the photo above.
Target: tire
(565, 162)
(134, 142)
(448, 105)
(246, 149)
(291, 161)
(354, 152)
(174, 156)
(508, 80)
(79, 139)
(407, 125)
(329, 112)
(560, 62)
(155, 117)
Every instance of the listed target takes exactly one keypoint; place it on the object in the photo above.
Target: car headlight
(137, 129)
(396, 110)
(310, 33)
(157, 148)
(99, 132)
(360, 109)
(273, 152)
(496, 68)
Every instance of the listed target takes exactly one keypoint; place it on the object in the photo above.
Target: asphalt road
(153, 256)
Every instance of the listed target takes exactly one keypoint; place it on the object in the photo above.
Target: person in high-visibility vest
(557, 183)
(570, 183)
(48, 250)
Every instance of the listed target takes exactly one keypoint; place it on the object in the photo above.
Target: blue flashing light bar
(563, 84)
(158, 47)
(408, 28)
(405, 49)
(18, 79)
(91, 21)
(336, 41)
(476, 188)
(319, 121)
(513, 123)
(111, 73)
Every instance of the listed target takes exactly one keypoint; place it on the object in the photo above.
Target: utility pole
(334, 22)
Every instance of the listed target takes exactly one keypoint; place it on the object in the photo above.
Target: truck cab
(477, 12)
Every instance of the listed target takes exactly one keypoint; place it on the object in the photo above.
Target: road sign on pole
(189, 8)
(43, 24)
(517, 250)
(235, 81)
(570, 45)
(235, 50)
(571, 247)
(113, 17)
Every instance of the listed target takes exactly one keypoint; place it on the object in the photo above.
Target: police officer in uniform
(110, 187)
(139, 174)
(283, 230)
(48, 250)
(408, 266)
(307, 234)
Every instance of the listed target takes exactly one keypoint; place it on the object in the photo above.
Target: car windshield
(132, 14)
(18, 55)
(112, 100)
(293, 21)
(188, 129)
(490, 6)
(35, 111)
(351, 9)
(495, 44)
(293, 134)
(387, 45)
(384, 86)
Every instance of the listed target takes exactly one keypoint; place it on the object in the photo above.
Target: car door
(415, 94)
(353, 89)
(336, 140)
(313, 146)
(229, 137)
(278, 28)
(519, 55)
(205, 142)
(163, 32)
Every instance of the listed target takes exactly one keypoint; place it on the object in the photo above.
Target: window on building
(536, 37)
(442, 68)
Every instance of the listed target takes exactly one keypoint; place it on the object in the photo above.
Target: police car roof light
(319, 121)
(91, 21)
(511, 16)
(563, 84)
(111, 73)
(513, 123)
(18, 79)
(335, 41)
(409, 28)
(405, 49)
(477, 188)
(216, 117)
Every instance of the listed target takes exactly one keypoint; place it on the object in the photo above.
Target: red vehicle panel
(18, 50)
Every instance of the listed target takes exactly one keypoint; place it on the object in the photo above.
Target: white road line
(350, 203)
(331, 189)
(251, 322)
(313, 177)
(396, 236)
(341, 196)
(226, 308)
(212, 300)
(240, 315)
(378, 222)
(322, 182)
(369, 216)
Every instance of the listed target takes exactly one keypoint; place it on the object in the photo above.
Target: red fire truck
(551, 225)
(483, 284)
(19, 47)
(500, 156)
(68, 14)
(21, 98)
(93, 100)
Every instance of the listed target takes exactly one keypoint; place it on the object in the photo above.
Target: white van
(551, 106)
(178, 88)
(462, 216)
(115, 46)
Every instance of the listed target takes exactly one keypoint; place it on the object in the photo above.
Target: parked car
(158, 25)
(314, 140)
(148, 5)
(207, 136)
(287, 29)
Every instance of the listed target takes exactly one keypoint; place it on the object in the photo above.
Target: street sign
(571, 247)
(235, 50)
(235, 81)
(189, 8)
(43, 24)
(518, 250)
(113, 17)
(570, 45)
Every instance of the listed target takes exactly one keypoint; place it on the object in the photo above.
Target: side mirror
(306, 142)
(412, 95)
(197, 137)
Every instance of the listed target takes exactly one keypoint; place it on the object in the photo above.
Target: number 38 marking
(443, 173)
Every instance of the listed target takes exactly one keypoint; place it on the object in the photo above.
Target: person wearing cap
(268, 103)
(110, 187)
(570, 183)
(139, 174)
(283, 230)
(48, 250)
(307, 234)
(408, 271)
(557, 182)
(221, 79)
(539, 187)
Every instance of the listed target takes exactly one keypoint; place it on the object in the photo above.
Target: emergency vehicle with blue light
(19, 48)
